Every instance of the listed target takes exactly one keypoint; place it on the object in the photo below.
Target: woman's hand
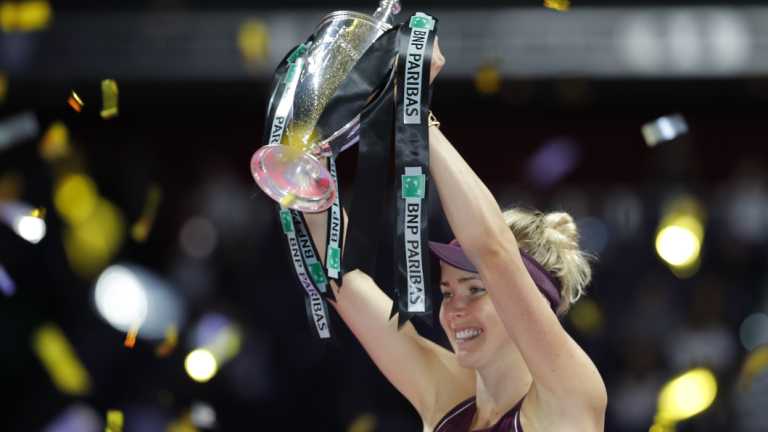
(438, 61)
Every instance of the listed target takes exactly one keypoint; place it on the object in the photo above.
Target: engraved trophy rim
(382, 25)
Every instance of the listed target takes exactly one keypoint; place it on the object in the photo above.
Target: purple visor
(452, 254)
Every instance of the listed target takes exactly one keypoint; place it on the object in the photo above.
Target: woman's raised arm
(564, 377)
(425, 373)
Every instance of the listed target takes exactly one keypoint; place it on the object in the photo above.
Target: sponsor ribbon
(412, 168)
(335, 237)
(317, 309)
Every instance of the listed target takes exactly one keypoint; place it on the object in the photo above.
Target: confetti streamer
(558, 5)
(75, 102)
(7, 286)
(55, 142)
(664, 129)
(60, 360)
(142, 227)
(114, 421)
(130, 337)
(169, 344)
(109, 99)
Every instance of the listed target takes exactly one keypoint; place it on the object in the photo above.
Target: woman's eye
(476, 290)
(447, 295)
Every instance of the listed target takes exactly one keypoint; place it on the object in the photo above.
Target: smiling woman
(513, 366)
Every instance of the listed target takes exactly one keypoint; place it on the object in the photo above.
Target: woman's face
(469, 318)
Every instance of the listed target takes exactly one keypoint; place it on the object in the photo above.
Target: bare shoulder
(543, 411)
(453, 383)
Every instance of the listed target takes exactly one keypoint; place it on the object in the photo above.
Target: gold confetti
(169, 344)
(558, 5)
(488, 79)
(55, 142)
(363, 423)
(38, 213)
(141, 228)
(183, 424)
(253, 40)
(3, 86)
(115, 421)
(109, 98)
(60, 360)
(75, 102)
(130, 338)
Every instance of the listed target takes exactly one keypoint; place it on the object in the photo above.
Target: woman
(513, 366)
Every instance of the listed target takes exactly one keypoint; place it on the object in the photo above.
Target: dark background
(195, 139)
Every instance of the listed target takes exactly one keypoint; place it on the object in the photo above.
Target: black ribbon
(412, 169)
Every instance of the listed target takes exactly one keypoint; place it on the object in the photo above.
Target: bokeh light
(129, 296)
(120, 297)
(677, 245)
(686, 396)
(75, 196)
(201, 365)
(31, 229)
(680, 235)
(754, 331)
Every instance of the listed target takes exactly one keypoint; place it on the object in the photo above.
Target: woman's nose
(457, 312)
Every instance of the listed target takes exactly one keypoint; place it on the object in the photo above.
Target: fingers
(438, 61)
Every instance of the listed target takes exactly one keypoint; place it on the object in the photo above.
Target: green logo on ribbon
(413, 186)
(285, 221)
(334, 258)
(317, 273)
(422, 22)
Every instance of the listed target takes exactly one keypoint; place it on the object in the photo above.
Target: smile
(468, 334)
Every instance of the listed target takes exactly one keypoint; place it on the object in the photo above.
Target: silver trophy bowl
(290, 171)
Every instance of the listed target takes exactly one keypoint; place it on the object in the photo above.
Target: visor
(452, 254)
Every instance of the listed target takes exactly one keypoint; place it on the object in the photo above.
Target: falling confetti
(253, 40)
(75, 102)
(114, 421)
(169, 344)
(55, 142)
(109, 95)
(38, 213)
(60, 360)
(26, 16)
(130, 337)
(142, 227)
(664, 129)
(7, 286)
(488, 79)
(558, 5)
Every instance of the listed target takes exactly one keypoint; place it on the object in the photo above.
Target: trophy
(288, 168)
(357, 80)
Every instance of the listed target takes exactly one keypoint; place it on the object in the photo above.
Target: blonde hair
(552, 239)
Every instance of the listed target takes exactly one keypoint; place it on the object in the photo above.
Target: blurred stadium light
(586, 41)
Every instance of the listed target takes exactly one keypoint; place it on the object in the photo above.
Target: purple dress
(459, 419)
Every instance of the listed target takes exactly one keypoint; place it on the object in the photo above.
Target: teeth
(467, 334)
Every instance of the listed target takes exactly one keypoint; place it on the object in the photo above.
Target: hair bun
(561, 230)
